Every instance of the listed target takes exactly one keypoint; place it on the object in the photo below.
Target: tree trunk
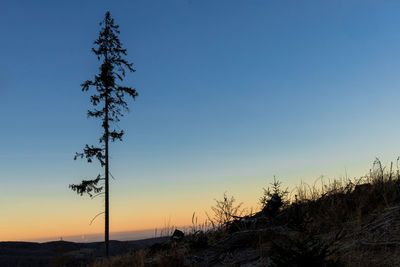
(106, 231)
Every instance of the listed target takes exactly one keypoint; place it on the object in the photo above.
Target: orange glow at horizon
(53, 223)
(54, 216)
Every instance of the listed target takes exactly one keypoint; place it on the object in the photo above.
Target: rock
(177, 235)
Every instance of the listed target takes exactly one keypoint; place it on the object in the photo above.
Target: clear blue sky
(230, 94)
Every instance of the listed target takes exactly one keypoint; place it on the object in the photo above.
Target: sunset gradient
(231, 93)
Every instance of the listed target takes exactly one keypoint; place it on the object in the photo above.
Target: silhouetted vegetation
(341, 222)
(110, 97)
(274, 191)
(273, 199)
(225, 211)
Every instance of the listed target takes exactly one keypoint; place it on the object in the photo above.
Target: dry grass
(365, 211)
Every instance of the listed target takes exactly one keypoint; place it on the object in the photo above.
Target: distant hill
(60, 253)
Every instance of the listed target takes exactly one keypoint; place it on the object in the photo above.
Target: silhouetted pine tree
(108, 103)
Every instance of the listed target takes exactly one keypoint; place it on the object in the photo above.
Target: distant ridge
(15, 253)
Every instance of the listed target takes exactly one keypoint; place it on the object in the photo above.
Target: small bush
(273, 199)
(225, 211)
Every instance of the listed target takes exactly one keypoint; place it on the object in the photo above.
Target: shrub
(273, 198)
(225, 211)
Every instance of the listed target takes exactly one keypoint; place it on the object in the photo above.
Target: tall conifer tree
(109, 104)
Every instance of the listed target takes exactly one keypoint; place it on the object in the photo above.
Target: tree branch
(94, 218)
